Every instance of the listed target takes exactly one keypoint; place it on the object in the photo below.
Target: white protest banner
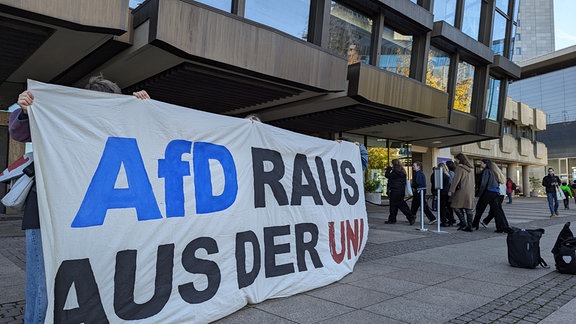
(164, 214)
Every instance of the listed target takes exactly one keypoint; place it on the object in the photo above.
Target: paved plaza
(405, 275)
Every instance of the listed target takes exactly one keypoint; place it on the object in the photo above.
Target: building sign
(163, 214)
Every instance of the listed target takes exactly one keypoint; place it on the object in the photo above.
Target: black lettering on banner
(310, 246)
(194, 265)
(349, 180)
(271, 178)
(299, 189)
(331, 198)
(90, 310)
(125, 281)
(270, 251)
(245, 278)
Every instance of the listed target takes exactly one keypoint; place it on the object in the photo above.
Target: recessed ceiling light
(437, 142)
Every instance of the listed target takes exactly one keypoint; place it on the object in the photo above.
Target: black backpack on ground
(564, 251)
(524, 248)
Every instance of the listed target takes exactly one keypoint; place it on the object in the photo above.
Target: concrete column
(526, 180)
(512, 172)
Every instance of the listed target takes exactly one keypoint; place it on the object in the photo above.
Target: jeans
(552, 202)
(509, 194)
(36, 295)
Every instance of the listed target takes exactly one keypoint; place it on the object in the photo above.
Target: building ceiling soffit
(210, 89)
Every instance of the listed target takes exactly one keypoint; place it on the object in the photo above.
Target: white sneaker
(432, 222)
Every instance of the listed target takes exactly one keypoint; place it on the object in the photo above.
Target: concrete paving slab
(480, 288)
(410, 311)
(388, 285)
(303, 308)
(454, 300)
(349, 295)
(361, 317)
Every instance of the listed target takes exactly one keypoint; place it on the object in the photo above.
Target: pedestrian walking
(551, 183)
(462, 192)
(419, 188)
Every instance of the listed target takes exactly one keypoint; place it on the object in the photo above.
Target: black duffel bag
(524, 248)
(564, 251)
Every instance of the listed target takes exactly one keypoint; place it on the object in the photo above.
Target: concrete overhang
(547, 63)
(57, 41)
(192, 55)
(504, 68)
(448, 37)
(407, 16)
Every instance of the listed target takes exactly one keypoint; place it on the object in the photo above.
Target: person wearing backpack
(510, 189)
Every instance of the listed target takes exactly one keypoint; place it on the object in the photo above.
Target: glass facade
(492, 99)
(464, 87)
(445, 10)
(438, 69)
(395, 52)
(471, 20)
(502, 5)
(498, 33)
(290, 17)
(225, 5)
(350, 34)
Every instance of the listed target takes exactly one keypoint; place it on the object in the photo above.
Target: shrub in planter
(371, 185)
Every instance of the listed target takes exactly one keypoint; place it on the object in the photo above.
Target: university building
(410, 79)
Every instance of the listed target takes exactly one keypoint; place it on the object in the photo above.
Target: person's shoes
(483, 224)
(412, 220)
(444, 224)
(432, 222)
(551, 215)
(467, 229)
(499, 231)
(390, 222)
(556, 212)
(476, 227)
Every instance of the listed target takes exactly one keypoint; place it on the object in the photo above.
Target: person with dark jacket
(19, 128)
(396, 175)
(418, 186)
(445, 219)
(489, 194)
(551, 182)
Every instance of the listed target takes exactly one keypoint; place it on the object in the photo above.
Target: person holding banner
(551, 182)
(19, 128)
(462, 192)
(396, 175)
(363, 151)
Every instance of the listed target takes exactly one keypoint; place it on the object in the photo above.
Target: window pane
(395, 52)
(502, 5)
(464, 86)
(438, 69)
(290, 17)
(498, 34)
(445, 10)
(471, 22)
(492, 99)
(350, 34)
(225, 5)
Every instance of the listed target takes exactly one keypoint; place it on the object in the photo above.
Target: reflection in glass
(498, 34)
(290, 17)
(445, 10)
(395, 52)
(438, 69)
(471, 21)
(225, 5)
(512, 41)
(492, 99)
(464, 86)
(350, 34)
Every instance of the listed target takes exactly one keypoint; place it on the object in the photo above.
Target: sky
(564, 25)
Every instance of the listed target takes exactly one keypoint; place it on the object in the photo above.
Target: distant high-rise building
(535, 31)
